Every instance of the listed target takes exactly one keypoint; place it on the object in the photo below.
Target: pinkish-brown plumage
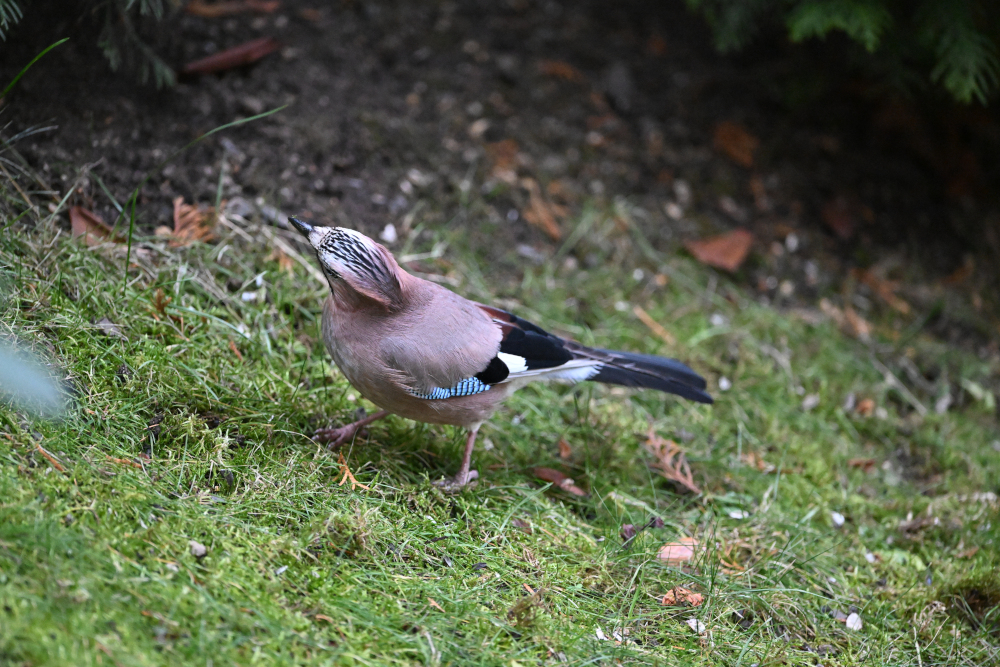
(420, 351)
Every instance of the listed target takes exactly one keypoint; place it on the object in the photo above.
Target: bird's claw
(335, 437)
(457, 483)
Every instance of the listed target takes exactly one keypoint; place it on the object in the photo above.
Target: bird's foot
(458, 482)
(335, 437)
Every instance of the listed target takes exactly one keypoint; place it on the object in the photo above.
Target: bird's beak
(304, 227)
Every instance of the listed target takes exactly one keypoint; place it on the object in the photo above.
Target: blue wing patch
(466, 387)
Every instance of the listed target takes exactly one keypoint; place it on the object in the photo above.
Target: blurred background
(857, 142)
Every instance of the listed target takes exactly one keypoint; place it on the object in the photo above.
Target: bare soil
(403, 112)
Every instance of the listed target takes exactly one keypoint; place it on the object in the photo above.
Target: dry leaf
(503, 158)
(755, 460)
(213, 10)
(323, 617)
(865, 465)
(191, 223)
(968, 553)
(434, 604)
(670, 461)
(565, 451)
(847, 320)
(561, 70)
(349, 476)
(285, 263)
(726, 251)
(843, 216)
(736, 143)
(540, 213)
(866, 407)
(90, 226)
(676, 553)
(682, 597)
(885, 289)
(237, 56)
(161, 301)
(857, 326)
(521, 524)
(560, 480)
(656, 45)
(653, 325)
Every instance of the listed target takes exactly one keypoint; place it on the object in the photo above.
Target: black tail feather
(629, 369)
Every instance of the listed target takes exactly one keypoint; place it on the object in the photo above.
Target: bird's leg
(334, 437)
(464, 475)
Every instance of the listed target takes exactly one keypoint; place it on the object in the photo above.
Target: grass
(194, 423)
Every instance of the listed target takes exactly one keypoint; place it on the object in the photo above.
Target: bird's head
(356, 267)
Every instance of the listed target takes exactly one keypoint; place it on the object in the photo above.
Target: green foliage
(124, 26)
(10, 13)
(123, 45)
(952, 44)
(863, 21)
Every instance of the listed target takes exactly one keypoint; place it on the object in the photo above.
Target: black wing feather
(540, 349)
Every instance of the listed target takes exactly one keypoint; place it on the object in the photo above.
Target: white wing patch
(514, 363)
(575, 370)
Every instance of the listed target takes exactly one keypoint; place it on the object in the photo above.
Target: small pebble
(725, 384)
(198, 550)
(389, 234)
(837, 518)
(853, 622)
(696, 625)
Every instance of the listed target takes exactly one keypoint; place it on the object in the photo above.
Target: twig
(55, 462)
(348, 475)
(294, 254)
(124, 462)
(24, 195)
(894, 381)
(653, 325)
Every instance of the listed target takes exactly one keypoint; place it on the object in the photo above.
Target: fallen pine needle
(349, 476)
(124, 462)
(55, 462)
(653, 325)
(236, 351)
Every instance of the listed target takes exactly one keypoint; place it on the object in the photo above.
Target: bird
(421, 351)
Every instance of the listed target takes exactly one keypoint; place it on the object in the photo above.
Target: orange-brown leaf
(679, 552)
(90, 226)
(237, 56)
(736, 143)
(866, 406)
(669, 459)
(839, 215)
(865, 465)
(503, 158)
(885, 289)
(682, 597)
(213, 10)
(725, 251)
(540, 213)
(565, 451)
(191, 223)
(561, 70)
(560, 480)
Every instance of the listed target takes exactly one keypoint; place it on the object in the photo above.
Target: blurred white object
(26, 385)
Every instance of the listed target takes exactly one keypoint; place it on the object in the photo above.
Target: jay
(420, 351)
